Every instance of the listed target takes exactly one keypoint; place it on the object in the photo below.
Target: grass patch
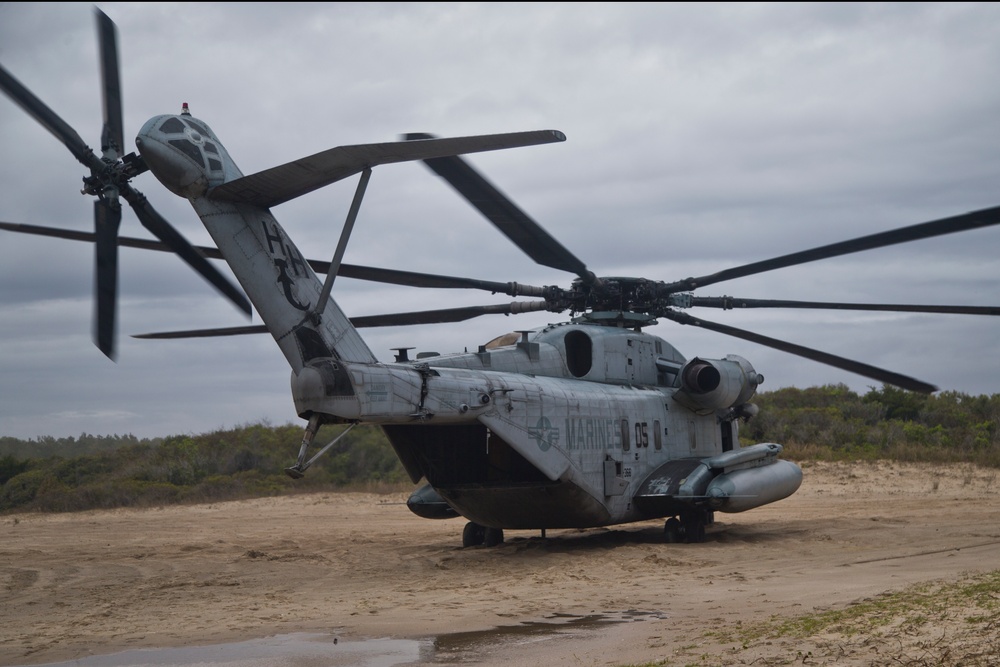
(940, 624)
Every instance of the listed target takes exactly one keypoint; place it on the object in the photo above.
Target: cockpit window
(502, 341)
(172, 126)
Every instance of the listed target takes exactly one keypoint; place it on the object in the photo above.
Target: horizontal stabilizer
(280, 184)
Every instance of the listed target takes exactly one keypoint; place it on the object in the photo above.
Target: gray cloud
(700, 137)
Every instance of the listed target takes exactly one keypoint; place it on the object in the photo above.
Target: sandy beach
(358, 566)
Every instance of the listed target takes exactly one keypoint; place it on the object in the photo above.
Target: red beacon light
(184, 109)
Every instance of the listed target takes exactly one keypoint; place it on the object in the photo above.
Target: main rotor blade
(162, 230)
(959, 223)
(112, 137)
(866, 370)
(514, 223)
(107, 217)
(447, 314)
(204, 333)
(372, 274)
(89, 237)
(413, 279)
(735, 303)
(49, 120)
(367, 321)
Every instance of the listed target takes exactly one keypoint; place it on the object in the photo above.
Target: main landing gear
(473, 535)
(690, 527)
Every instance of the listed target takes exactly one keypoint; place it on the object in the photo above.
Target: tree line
(829, 422)
(833, 422)
(242, 462)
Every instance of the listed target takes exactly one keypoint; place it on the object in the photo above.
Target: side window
(626, 442)
(579, 353)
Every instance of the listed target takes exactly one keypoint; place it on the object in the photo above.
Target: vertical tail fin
(186, 156)
(280, 283)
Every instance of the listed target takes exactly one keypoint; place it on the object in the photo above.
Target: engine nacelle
(708, 385)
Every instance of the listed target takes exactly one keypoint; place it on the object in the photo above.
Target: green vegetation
(224, 465)
(819, 423)
(834, 423)
(85, 445)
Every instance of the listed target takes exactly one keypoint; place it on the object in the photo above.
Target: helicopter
(583, 423)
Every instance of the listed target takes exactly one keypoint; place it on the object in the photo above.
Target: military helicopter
(583, 423)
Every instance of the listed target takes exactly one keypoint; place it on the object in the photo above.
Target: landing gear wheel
(473, 535)
(694, 532)
(672, 530)
(693, 526)
(493, 537)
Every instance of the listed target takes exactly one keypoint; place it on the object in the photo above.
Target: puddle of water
(466, 647)
(298, 650)
(320, 650)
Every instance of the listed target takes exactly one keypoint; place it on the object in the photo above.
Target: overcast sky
(699, 137)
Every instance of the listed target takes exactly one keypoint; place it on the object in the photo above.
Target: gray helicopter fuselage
(573, 425)
(557, 428)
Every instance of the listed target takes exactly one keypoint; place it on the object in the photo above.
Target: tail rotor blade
(48, 119)
(107, 217)
(112, 137)
(162, 230)
(109, 182)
